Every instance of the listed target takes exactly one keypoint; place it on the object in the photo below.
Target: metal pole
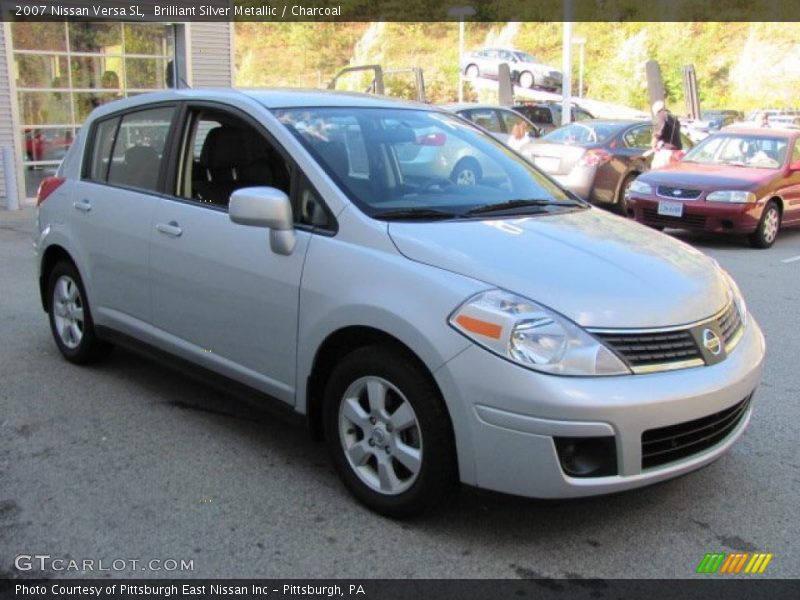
(580, 73)
(566, 82)
(460, 60)
(10, 176)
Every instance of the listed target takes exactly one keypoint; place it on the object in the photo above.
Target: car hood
(595, 268)
(709, 177)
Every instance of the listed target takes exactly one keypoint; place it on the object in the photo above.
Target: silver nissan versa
(499, 332)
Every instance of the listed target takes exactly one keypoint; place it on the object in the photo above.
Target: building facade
(53, 74)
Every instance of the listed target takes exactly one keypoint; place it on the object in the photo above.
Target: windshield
(398, 161)
(580, 133)
(740, 151)
(525, 57)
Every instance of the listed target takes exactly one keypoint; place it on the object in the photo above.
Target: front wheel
(71, 318)
(466, 172)
(621, 205)
(768, 226)
(526, 79)
(472, 71)
(388, 432)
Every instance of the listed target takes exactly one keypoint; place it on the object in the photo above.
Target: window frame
(166, 157)
(180, 144)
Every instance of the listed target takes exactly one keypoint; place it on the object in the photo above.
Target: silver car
(506, 335)
(526, 71)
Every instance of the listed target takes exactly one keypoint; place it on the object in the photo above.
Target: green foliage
(738, 65)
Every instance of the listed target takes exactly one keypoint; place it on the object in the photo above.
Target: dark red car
(744, 181)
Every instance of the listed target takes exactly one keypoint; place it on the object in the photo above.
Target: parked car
(597, 159)
(547, 115)
(497, 120)
(46, 144)
(526, 70)
(785, 122)
(743, 181)
(505, 334)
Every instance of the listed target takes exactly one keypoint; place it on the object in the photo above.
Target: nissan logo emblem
(712, 342)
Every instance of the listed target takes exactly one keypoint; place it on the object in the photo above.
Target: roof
(270, 98)
(760, 131)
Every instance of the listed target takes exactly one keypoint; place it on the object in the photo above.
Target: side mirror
(265, 207)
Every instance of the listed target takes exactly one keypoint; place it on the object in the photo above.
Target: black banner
(731, 588)
(402, 10)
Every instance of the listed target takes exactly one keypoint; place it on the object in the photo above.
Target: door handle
(171, 229)
(83, 205)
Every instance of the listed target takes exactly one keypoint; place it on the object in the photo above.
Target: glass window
(46, 143)
(796, 151)
(639, 137)
(740, 150)
(43, 37)
(45, 108)
(541, 114)
(146, 73)
(416, 160)
(151, 40)
(226, 154)
(580, 115)
(105, 38)
(96, 72)
(511, 119)
(101, 150)
(43, 71)
(486, 118)
(139, 148)
(580, 133)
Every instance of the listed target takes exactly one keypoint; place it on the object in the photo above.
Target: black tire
(621, 206)
(436, 473)
(768, 227)
(88, 347)
(472, 71)
(466, 172)
(527, 80)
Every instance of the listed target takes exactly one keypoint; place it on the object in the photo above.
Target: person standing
(666, 143)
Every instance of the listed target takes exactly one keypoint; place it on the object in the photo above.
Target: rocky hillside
(739, 65)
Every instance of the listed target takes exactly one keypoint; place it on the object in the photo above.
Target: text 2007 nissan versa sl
(504, 334)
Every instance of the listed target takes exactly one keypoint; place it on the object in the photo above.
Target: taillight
(594, 157)
(432, 139)
(47, 187)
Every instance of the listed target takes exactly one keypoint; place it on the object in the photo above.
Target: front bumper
(699, 215)
(511, 416)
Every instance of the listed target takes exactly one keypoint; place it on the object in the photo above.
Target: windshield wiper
(513, 204)
(408, 214)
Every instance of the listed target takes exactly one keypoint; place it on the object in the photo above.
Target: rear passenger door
(113, 209)
(221, 297)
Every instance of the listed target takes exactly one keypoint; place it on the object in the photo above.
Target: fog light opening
(587, 457)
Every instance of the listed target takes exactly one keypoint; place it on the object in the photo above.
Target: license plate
(670, 209)
(547, 163)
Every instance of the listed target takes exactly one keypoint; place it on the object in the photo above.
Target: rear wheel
(388, 432)
(466, 172)
(768, 226)
(472, 71)
(526, 79)
(71, 318)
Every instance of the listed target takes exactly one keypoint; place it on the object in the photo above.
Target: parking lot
(130, 460)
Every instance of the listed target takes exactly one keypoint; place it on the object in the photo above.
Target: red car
(744, 181)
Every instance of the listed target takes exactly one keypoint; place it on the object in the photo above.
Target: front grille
(730, 323)
(668, 444)
(687, 220)
(642, 349)
(679, 193)
(647, 351)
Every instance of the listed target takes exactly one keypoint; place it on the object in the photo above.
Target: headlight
(733, 196)
(533, 336)
(640, 187)
(738, 299)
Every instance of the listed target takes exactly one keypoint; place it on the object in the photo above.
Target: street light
(581, 41)
(460, 12)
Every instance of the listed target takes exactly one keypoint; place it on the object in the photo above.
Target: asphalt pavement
(129, 460)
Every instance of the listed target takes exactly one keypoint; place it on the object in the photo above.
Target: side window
(510, 119)
(102, 144)
(222, 154)
(796, 151)
(139, 148)
(310, 209)
(580, 115)
(486, 118)
(542, 115)
(639, 137)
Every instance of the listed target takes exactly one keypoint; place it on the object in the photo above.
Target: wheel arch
(54, 254)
